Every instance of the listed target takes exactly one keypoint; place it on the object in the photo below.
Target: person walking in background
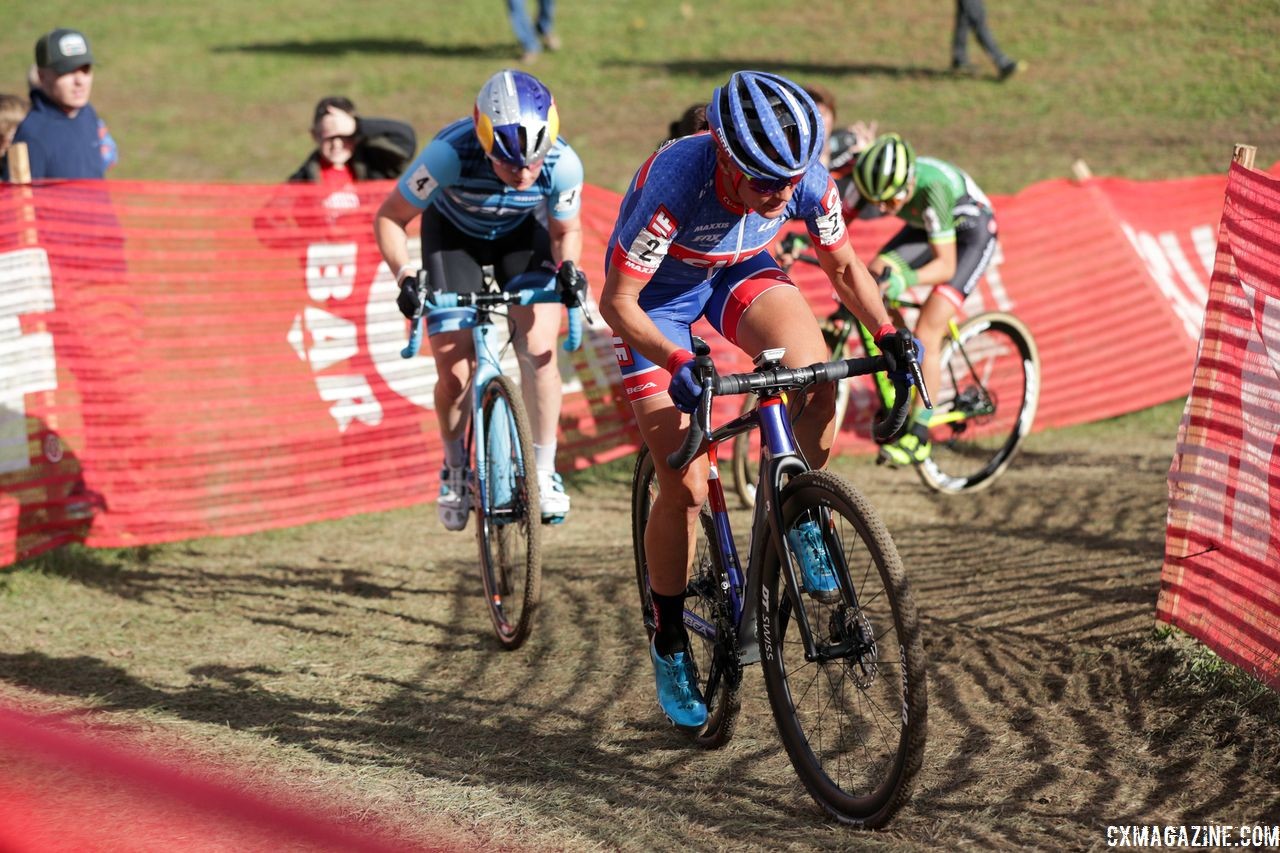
(13, 109)
(534, 36)
(64, 136)
(972, 14)
(352, 148)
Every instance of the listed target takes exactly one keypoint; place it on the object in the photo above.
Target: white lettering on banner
(328, 341)
(27, 362)
(1251, 511)
(331, 275)
(1197, 287)
(1225, 508)
(352, 400)
(386, 333)
(331, 271)
(996, 284)
(1205, 241)
(333, 338)
(1187, 306)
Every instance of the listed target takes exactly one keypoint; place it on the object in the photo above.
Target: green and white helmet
(884, 168)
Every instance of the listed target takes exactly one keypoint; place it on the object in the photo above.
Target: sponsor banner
(185, 360)
(1221, 577)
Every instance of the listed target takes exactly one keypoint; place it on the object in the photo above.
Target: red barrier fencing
(1221, 577)
(65, 790)
(187, 360)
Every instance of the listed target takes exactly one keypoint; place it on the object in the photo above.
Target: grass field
(223, 91)
(351, 664)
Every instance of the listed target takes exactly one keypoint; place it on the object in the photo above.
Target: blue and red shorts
(723, 299)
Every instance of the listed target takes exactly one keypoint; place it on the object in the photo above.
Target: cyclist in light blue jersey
(692, 240)
(948, 241)
(501, 188)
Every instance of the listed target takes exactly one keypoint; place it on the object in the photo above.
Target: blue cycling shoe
(677, 693)
(806, 543)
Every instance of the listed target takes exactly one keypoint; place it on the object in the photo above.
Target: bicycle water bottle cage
(769, 358)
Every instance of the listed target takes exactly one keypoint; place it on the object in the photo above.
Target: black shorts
(975, 244)
(453, 258)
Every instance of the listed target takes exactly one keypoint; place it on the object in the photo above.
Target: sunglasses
(768, 186)
(507, 165)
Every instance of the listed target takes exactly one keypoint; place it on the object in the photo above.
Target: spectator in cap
(64, 136)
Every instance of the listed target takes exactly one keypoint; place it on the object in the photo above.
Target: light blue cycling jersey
(455, 175)
(677, 224)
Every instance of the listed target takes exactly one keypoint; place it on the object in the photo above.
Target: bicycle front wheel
(853, 715)
(985, 404)
(708, 615)
(509, 532)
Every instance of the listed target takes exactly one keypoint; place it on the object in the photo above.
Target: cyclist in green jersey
(948, 241)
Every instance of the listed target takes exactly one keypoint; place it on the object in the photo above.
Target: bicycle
(499, 443)
(985, 406)
(846, 679)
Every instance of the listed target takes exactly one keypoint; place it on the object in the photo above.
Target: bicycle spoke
(853, 735)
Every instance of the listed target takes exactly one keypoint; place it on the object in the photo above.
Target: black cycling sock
(668, 611)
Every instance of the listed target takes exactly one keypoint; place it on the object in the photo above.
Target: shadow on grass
(370, 47)
(716, 69)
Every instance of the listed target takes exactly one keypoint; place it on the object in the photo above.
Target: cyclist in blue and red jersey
(691, 240)
(500, 188)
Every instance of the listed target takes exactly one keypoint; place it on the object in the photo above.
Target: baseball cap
(63, 51)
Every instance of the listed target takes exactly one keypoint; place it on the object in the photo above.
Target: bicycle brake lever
(919, 380)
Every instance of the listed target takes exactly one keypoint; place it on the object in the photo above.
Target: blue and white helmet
(768, 126)
(515, 118)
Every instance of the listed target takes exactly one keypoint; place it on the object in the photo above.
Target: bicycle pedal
(554, 519)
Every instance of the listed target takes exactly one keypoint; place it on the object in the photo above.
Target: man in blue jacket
(64, 136)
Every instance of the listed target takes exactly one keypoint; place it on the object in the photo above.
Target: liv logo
(328, 341)
(28, 365)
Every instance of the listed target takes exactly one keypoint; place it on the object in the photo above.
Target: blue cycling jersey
(454, 174)
(677, 224)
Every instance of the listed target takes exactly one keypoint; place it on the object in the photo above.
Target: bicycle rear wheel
(708, 616)
(509, 531)
(853, 720)
(985, 404)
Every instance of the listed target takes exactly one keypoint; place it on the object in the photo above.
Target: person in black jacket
(350, 147)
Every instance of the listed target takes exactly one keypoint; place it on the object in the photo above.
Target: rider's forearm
(628, 321)
(393, 242)
(566, 241)
(856, 288)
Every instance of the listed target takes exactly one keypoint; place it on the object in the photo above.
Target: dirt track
(353, 661)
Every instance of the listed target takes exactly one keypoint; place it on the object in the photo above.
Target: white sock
(455, 453)
(544, 457)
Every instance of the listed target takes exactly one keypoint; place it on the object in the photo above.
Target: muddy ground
(352, 664)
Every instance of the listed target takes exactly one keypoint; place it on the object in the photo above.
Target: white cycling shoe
(454, 504)
(552, 497)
